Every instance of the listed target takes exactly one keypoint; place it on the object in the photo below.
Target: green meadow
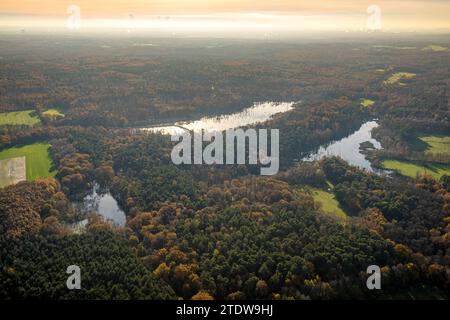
(18, 118)
(329, 203)
(428, 145)
(437, 144)
(396, 77)
(435, 48)
(411, 169)
(52, 114)
(393, 47)
(367, 103)
(37, 158)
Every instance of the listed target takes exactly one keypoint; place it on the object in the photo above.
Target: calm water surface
(104, 204)
(348, 148)
(259, 112)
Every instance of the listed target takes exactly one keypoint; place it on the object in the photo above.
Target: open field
(329, 203)
(393, 47)
(367, 103)
(52, 114)
(18, 118)
(437, 144)
(396, 77)
(411, 169)
(38, 162)
(12, 171)
(435, 48)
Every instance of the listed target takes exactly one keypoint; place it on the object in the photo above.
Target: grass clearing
(52, 114)
(367, 103)
(437, 144)
(38, 162)
(381, 46)
(435, 48)
(393, 47)
(329, 203)
(396, 77)
(18, 118)
(411, 169)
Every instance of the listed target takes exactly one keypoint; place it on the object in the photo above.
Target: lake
(259, 112)
(348, 148)
(104, 204)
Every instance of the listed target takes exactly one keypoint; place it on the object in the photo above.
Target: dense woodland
(222, 232)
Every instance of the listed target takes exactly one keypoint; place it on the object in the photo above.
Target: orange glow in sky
(397, 14)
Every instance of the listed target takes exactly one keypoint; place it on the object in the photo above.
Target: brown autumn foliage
(23, 207)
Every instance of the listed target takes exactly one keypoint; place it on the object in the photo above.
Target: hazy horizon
(227, 17)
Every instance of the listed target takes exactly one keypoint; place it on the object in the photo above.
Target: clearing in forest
(367, 103)
(437, 144)
(435, 48)
(396, 77)
(52, 114)
(38, 162)
(12, 171)
(18, 118)
(412, 169)
(328, 202)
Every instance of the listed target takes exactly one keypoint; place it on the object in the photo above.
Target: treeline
(256, 238)
(202, 232)
(37, 244)
(34, 267)
(185, 80)
(414, 215)
(30, 208)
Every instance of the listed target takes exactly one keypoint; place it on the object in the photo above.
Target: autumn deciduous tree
(261, 289)
(202, 295)
(21, 215)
